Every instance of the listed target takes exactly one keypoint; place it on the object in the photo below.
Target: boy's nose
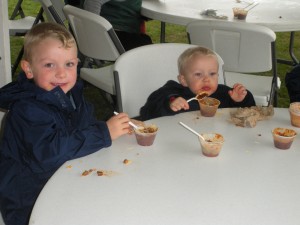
(205, 77)
(60, 73)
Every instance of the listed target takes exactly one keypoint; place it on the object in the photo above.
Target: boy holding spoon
(198, 72)
(48, 120)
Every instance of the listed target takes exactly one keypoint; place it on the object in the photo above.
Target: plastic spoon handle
(199, 96)
(190, 129)
(130, 123)
(252, 7)
(191, 99)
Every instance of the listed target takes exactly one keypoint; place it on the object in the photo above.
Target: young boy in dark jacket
(48, 121)
(198, 72)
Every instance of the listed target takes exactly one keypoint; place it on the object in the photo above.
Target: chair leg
(18, 11)
(38, 18)
(17, 62)
(273, 95)
(162, 32)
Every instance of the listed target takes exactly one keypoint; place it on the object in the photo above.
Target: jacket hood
(24, 88)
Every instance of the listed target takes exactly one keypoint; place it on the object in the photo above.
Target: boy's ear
(25, 65)
(182, 80)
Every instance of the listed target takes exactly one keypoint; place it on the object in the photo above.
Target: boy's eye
(70, 64)
(199, 75)
(49, 65)
(213, 74)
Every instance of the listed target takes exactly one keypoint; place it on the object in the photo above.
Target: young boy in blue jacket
(48, 121)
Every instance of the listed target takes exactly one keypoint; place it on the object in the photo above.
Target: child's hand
(238, 92)
(118, 125)
(178, 104)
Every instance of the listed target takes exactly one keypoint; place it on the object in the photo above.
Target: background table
(278, 15)
(171, 182)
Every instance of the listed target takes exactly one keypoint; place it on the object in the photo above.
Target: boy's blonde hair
(189, 54)
(45, 30)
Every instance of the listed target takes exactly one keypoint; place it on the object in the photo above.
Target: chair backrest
(142, 70)
(245, 48)
(94, 34)
(19, 27)
(54, 10)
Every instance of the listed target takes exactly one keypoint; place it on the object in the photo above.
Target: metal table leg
(162, 32)
(294, 60)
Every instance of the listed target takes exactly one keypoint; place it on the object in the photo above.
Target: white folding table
(171, 182)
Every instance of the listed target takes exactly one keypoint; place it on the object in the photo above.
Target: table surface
(171, 182)
(279, 15)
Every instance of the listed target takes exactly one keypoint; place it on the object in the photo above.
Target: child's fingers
(176, 106)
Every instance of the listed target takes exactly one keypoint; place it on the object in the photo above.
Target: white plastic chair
(142, 70)
(2, 115)
(19, 27)
(245, 48)
(1, 220)
(54, 10)
(96, 39)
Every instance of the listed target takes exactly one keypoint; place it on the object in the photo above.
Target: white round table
(278, 15)
(171, 182)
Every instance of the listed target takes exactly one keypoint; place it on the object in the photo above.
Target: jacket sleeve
(227, 102)
(157, 104)
(292, 82)
(94, 6)
(43, 140)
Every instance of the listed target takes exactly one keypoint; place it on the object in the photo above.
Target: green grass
(174, 33)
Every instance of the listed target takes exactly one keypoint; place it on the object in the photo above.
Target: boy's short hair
(190, 53)
(45, 30)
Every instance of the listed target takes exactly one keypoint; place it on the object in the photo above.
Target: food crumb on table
(127, 161)
(100, 173)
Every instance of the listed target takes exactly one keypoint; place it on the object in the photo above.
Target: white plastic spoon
(199, 96)
(193, 131)
(252, 7)
(130, 123)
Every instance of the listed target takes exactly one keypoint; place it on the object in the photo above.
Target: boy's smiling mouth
(59, 84)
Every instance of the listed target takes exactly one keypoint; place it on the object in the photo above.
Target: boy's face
(201, 74)
(52, 65)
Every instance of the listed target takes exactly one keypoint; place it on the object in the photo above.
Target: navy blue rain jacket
(42, 130)
(292, 82)
(158, 103)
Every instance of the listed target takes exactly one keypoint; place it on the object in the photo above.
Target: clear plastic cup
(294, 110)
(283, 137)
(212, 145)
(208, 106)
(239, 13)
(145, 136)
